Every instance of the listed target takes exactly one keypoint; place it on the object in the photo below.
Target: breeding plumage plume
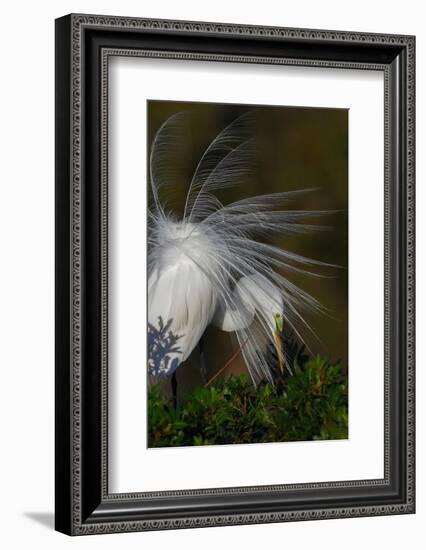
(209, 266)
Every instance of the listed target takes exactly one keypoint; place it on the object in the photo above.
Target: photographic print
(247, 274)
(225, 276)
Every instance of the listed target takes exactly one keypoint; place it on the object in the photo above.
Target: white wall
(26, 289)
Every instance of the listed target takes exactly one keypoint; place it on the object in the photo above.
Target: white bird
(207, 267)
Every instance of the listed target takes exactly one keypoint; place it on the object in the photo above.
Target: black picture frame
(83, 504)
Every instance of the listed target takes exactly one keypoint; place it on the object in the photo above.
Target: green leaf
(310, 404)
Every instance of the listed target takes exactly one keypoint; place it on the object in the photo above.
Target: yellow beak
(277, 339)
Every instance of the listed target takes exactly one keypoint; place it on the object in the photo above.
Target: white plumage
(208, 267)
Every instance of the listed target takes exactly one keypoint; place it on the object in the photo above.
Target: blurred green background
(297, 148)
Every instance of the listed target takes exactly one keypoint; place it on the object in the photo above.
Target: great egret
(207, 267)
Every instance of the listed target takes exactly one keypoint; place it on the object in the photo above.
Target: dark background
(298, 148)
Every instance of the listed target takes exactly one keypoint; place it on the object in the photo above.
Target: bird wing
(181, 303)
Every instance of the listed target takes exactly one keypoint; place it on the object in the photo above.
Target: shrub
(309, 404)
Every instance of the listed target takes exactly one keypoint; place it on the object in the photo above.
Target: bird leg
(203, 362)
(174, 389)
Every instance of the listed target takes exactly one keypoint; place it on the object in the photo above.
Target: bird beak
(277, 339)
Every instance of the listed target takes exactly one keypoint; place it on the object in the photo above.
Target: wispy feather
(208, 267)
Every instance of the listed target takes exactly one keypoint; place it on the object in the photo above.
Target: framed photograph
(234, 274)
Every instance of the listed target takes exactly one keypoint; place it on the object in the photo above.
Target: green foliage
(311, 403)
